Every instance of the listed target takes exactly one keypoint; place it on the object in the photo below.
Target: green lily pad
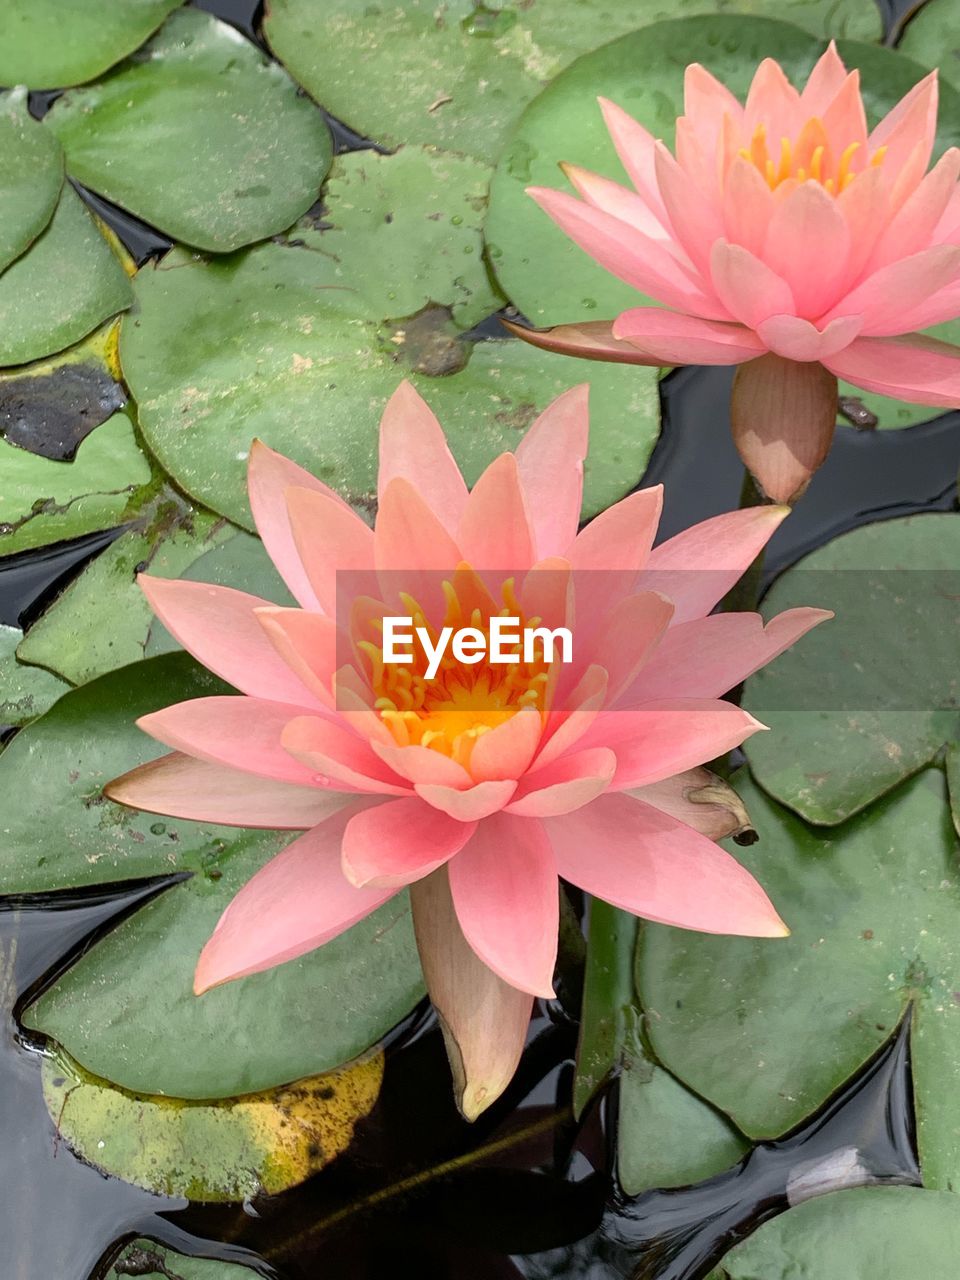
(68, 282)
(31, 161)
(871, 1233)
(222, 1150)
(549, 278)
(254, 165)
(102, 620)
(460, 76)
(47, 44)
(44, 501)
(406, 232)
(874, 695)
(155, 1261)
(25, 692)
(933, 38)
(126, 1010)
(269, 343)
(767, 1029)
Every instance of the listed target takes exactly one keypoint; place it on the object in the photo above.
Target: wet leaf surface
(459, 76)
(876, 696)
(25, 692)
(154, 1261)
(32, 165)
(253, 167)
(43, 501)
(68, 282)
(875, 1233)
(47, 44)
(271, 344)
(226, 1150)
(872, 906)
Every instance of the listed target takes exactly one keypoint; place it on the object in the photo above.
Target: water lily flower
(477, 787)
(784, 237)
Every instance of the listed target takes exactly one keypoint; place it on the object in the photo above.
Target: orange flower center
(449, 711)
(809, 158)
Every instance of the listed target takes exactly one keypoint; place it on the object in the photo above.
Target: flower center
(449, 711)
(809, 158)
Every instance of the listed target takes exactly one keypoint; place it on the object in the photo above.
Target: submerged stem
(744, 595)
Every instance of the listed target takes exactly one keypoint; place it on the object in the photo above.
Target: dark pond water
(523, 1194)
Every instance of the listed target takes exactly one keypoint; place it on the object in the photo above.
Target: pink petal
(783, 415)
(421, 764)
(506, 751)
(269, 475)
(590, 340)
(295, 903)
(866, 210)
(470, 805)
(413, 550)
(219, 627)
(567, 725)
(617, 200)
(413, 446)
(330, 539)
(634, 145)
(243, 733)
(642, 262)
(915, 368)
(705, 102)
(392, 844)
(707, 657)
(668, 337)
(694, 219)
(629, 636)
(699, 799)
(307, 643)
(338, 758)
(484, 1020)
(618, 539)
(807, 246)
(824, 82)
(846, 120)
(889, 294)
(183, 787)
(699, 166)
(495, 532)
(567, 784)
(659, 868)
(550, 461)
(800, 340)
(547, 592)
(939, 306)
(748, 206)
(698, 567)
(506, 895)
(774, 102)
(912, 123)
(747, 286)
(670, 736)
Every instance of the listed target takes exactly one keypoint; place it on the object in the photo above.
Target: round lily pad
(932, 37)
(199, 134)
(155, 1261)
(272, 343)
(766, 1030)
(59, 290)
(25, 692)
(875, 695)
(461, 75)
(31, 161)
(221, 1150)
(549, 278)
(47, 44)
(872, 1233)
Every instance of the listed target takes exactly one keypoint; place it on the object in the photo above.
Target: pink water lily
(477, 787)
(785, 237)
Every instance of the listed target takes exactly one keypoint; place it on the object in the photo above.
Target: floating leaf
(933, 38)
(51, 405)
(47, 44)
(126, 1010)
(270, 343)
(222, 1150)
(102, 620)
(31, 162)
(66, 283)
(460, 76)
(875, 1233)
(247, 171)
(25, 692)
(406, 232)
(875, 695)
(766, 1030)
(43, 501)
(155, 1261)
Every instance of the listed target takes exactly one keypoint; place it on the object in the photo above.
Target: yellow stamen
(806, 158)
